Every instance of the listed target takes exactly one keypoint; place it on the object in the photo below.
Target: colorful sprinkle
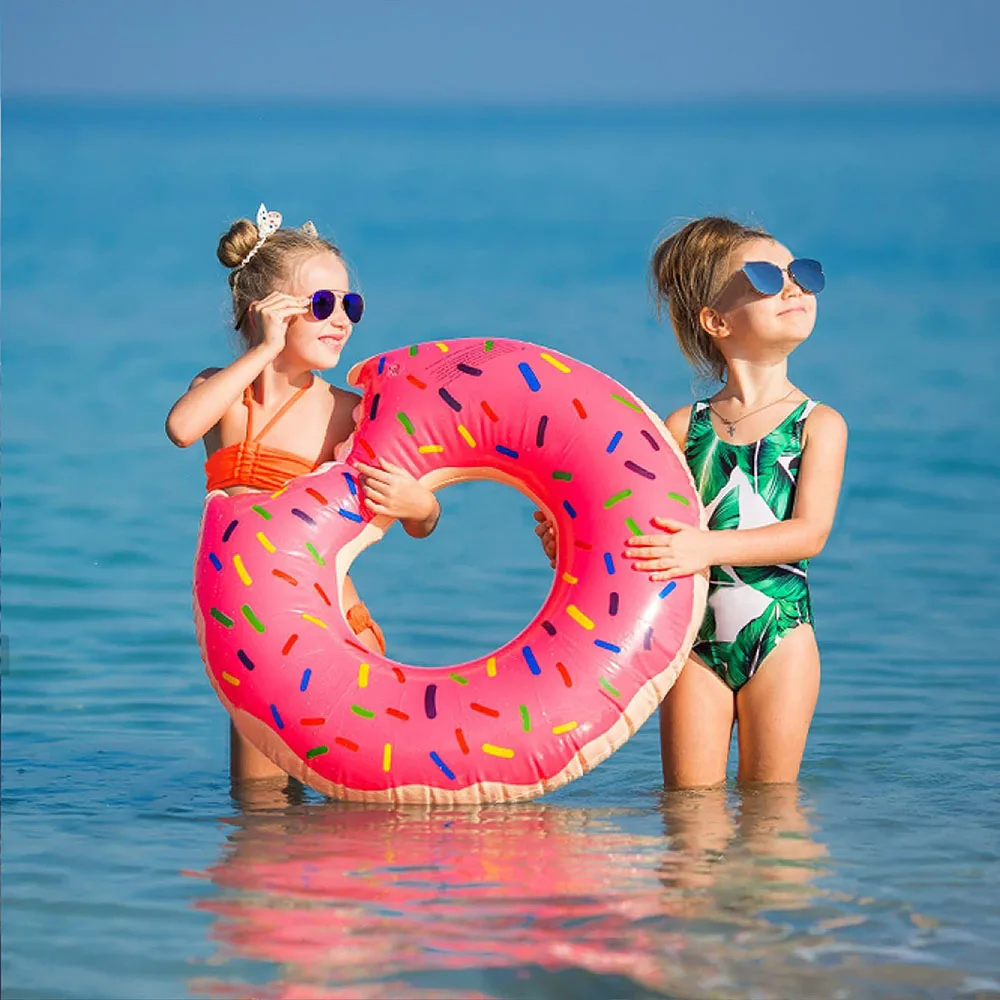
(303, 516)
(579, 617)
(430, 701)
(257, 624)
(311, 549)
(586, 546)
(430, 449)
(617, 498)
(468, 369)
(488, 345)
(256, 508)
(413, 380)
(365, 713)
(639, 470)
(668, 589)
(458, 678)
(509, 452)
(450, 399)
(289, 642)
(679, 499)
(579, 409)
(317, 721)
(319, 498)
(363, 669)
(610, 646)
(529, 376)
(626, 402)
(230, 679)
(405, 421)
(483, 710)
(322, 593)
(350, 515)
(277, 493)
(342, 741)
(369, 450)
(569, 508)
(525, 718)
(413, 350)
(653, 443)
(373, 412)
(397, 714)
(491, 667)
(314, 621)
(467, 437)
(381, 364)
(495, 751)
(387, 757)
(614, 442)
(241, 570)
(443, 348)
(543, 422)
(266, 542)
(318, 751)
(531, 660)
(558, 365)
(609, 563)
(462, 745)
(569, 578)
(277, 717)
(632, 526)
(549, 627)
(244, 659)
(214, 560)
(400, 676)
(281, 575)
(448, 772)
(229, 530)
(564, 476)
(564, 674)
(566, 727)
(647, 639)
(488, 410)
(306, 675)
(613, 603)
(613, 691)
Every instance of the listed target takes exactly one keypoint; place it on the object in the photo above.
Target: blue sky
(513, 51)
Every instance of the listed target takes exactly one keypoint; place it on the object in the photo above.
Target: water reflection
(346, 900)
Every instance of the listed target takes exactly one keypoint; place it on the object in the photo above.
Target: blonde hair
(688, 271)
(269, 265)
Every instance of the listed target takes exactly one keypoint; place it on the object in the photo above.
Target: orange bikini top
(249, 463)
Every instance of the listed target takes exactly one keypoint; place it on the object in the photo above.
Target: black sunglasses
(769, 279)
(323, 303)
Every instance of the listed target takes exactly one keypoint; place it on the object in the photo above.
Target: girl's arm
(689, 550)
(212, 392)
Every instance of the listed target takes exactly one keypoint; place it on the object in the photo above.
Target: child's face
(318, 343)
(760, 326)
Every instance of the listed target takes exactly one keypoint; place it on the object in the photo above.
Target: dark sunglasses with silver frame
(323, 303)
(768, 279)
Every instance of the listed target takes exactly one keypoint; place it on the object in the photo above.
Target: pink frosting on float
(547, 706)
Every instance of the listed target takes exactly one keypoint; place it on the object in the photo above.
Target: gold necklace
(731, 424)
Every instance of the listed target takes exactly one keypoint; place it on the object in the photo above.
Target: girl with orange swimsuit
(293, 308)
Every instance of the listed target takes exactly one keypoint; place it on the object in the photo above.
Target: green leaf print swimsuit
(750, 608)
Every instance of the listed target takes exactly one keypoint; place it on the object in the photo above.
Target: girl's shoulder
(823, 422)
(341, 397)
(678, 423)
(203, 376)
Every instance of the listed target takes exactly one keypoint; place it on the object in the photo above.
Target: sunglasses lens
(808, 274)
(765, 277)
(354, 306)
(323, 304)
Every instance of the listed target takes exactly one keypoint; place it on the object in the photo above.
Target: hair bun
(237, 243)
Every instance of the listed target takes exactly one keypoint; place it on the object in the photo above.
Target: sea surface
(131, 869)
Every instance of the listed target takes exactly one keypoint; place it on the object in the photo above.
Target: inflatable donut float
(544, 709)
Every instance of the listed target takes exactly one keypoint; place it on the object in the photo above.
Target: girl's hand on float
(392, 491)
(682, 552)
(269, 318)
(546, 532)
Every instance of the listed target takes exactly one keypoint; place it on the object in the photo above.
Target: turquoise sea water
(128, 868)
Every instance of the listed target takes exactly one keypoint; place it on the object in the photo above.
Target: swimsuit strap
(286, 406)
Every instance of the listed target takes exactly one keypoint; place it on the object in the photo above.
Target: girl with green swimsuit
(768, 463)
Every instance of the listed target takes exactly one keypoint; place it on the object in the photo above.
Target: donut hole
(468, 588)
